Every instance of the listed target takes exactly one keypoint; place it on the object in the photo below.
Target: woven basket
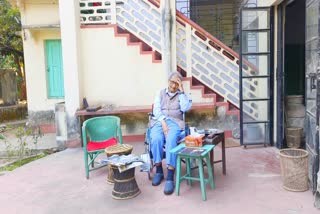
(293, 136)
(125, 185)
(119, 149)
(294, 169)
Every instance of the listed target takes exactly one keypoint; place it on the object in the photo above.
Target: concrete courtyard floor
(57, 184)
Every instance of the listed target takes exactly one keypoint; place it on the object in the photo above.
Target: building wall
(35, 15)
(48, 10)
(268, 3)
(112, 71)
(34, 55)
(115, 73)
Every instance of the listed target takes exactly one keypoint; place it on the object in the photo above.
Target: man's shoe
(158, 177)
(168, 187)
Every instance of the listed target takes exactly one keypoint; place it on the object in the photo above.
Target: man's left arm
(185, 102)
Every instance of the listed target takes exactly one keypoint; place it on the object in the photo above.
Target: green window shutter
(54, 69)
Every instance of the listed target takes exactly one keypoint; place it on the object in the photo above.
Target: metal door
(256, 85)
(312, 88)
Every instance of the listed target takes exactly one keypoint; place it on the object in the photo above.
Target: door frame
(269, 122)
(280, 77)
(46, 48)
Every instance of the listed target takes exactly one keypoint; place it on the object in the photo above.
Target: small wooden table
(198, 153)
(215, 139)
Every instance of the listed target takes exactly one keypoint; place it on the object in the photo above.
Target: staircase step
(133, 39)
(197, 92)
(157, 55)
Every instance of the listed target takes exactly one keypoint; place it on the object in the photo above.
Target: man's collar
(167, 91)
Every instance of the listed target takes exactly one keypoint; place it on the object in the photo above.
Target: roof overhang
(40, 27)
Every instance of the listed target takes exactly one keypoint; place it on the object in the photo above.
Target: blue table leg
(178, 175)
(202, 181)
(211, 178)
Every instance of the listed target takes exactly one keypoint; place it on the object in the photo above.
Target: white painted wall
(44, 12)
(262, 3)
(112, 72)
(36, 79)
(115, 73)
(268, 3)
(35, 13)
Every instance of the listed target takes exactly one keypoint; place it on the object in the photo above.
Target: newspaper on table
(123, 162)
(146, 166)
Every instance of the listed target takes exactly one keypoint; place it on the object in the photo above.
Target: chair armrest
(119, 133)
(150, 115)
(84, 136)
(187, 129)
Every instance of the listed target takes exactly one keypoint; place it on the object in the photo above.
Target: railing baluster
(188, 50)
(113, 10)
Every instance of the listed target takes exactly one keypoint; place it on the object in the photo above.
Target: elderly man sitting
(166, 127)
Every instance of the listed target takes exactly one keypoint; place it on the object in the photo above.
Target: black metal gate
(312, 88)
(218, 17)
(256, 86)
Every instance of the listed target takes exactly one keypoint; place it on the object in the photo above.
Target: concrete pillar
(70, 33)
(173, 36)
(168, 35)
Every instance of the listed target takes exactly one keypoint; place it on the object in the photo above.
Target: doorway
(294, 45)
(291, 71)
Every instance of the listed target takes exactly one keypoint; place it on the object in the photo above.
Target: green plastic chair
(99, 133)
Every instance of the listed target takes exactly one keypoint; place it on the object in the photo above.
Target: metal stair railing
(139, 17)
(214, 64)
(198, 53)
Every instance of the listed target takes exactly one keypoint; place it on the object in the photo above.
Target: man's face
(173, 84)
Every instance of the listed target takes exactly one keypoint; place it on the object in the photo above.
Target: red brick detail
(214, 95)
(73, 143)
(48, 128)
(228, 133)
(134, 41)
(133, 138)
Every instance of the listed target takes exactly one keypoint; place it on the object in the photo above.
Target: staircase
(202, 96)
(210, 68)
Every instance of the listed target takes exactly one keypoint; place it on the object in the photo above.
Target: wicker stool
(119, 149)
(125, 185)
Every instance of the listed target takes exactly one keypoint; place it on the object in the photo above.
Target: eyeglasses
(173, 82)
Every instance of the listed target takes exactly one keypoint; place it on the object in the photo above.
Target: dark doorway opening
(294, 57)
(294, 73)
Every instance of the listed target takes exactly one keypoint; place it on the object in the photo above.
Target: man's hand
(180, 84)
(165, 128)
